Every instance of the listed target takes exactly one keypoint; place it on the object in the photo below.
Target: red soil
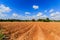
(32, 30)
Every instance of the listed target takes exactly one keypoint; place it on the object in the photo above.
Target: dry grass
(31, 30)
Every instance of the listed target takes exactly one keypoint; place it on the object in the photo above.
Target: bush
(33, 19)
(47, 20)
(1, 35)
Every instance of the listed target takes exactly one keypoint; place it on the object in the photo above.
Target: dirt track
(32, 30)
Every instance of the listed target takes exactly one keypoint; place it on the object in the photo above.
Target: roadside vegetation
(2, 35)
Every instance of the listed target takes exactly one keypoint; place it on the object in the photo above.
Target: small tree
(33, 19)
(47, 20)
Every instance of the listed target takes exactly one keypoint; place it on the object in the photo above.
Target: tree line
(38, 20)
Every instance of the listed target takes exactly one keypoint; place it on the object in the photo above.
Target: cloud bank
(5, 11)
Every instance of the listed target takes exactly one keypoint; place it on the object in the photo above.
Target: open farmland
(31, 30)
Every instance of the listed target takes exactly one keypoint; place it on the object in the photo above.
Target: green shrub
(1, 35)
(33, 19)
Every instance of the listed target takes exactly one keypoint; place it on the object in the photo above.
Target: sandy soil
(31, 30)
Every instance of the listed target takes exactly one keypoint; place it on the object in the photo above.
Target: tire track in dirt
(41, 35)
(33, 30)
(49, 32)
(20, 32)
(28, 35)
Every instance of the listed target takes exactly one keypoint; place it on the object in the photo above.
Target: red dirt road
(32, 30)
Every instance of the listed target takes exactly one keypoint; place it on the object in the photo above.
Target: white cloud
(44, 16)
(39, 14)
(55, 15)
(4, 8)
(35, 6)
(17, 16)
(52, 14)
(51, 10)
(3, 11)
(14, 14)
(27, 17)
(27, 13)
(3, 15)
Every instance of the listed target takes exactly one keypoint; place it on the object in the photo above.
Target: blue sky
(29, 9)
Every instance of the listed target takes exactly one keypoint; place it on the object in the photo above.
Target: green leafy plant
(1, 35)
